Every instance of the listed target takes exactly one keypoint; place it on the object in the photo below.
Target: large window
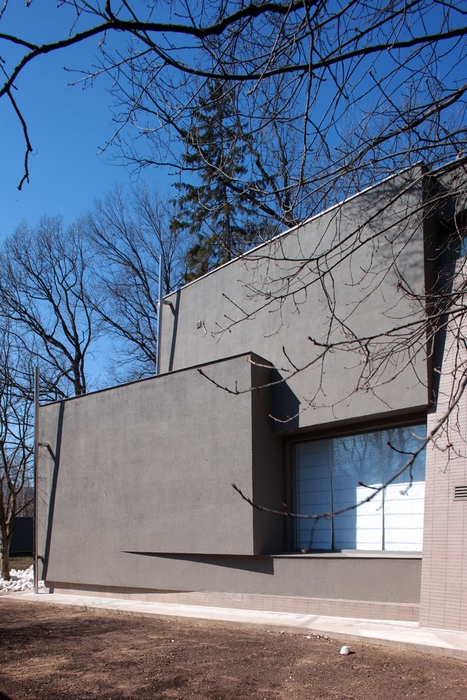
(338, 472)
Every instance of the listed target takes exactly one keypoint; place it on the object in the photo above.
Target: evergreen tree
(218, 213)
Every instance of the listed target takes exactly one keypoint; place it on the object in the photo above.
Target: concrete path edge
(401, 635)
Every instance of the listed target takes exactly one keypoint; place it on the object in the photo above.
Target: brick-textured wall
(443, 601)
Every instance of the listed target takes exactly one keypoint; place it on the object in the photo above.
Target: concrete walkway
(406, 635)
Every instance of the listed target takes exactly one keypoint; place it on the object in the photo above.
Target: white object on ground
(19, 581)
(345, 650)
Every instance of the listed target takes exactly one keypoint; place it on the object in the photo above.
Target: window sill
(347, 554)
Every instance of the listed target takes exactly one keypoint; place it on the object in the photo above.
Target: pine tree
(217, 212)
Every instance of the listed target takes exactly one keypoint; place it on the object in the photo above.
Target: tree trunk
(5, 554)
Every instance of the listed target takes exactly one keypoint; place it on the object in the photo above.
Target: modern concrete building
(307, 372)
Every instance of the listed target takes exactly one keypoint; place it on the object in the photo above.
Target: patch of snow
(19, 581)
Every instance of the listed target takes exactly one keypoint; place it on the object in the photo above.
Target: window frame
(339, 430)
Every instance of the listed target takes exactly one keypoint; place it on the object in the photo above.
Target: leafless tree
(16, 439)
(45, 288)
(129, 233)
(347, 267)
(331, 97)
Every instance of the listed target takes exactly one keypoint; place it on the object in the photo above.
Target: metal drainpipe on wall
(36, 457)
(159, 312)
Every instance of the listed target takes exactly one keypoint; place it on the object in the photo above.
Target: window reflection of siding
(403, 517)
(327, 476)
(314, 493)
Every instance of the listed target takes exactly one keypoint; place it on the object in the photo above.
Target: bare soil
(50, 652)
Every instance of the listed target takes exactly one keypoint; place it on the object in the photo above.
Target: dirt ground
(54, 652)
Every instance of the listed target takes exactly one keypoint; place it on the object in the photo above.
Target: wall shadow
(175, 311)
(53, 490)
(257, 565)
(285, 406)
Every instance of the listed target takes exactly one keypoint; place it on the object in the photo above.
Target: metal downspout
(36, 458)
(159, 313)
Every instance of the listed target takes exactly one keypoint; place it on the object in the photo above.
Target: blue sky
(68, 126)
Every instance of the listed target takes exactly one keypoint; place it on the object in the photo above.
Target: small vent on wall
(460, 493)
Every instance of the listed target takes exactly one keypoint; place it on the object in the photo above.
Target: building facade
(308, 373)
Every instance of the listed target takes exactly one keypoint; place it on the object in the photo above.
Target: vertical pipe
(36, 457)
(159, 312)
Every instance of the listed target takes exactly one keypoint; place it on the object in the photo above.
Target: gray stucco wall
(134, 484)
(134, 492)
(333, 576)
(147, 468)
(274, 300)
